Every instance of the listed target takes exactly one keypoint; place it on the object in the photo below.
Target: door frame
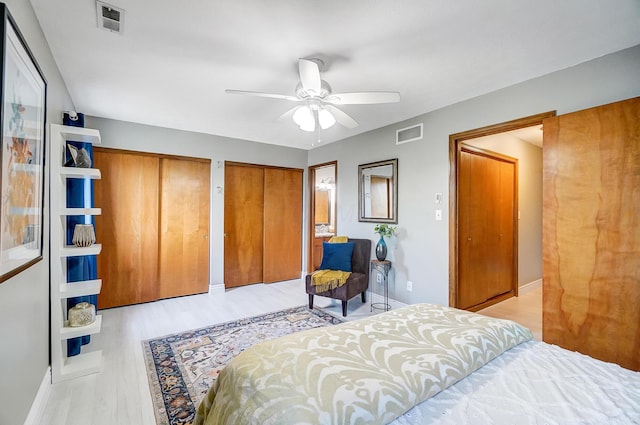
(454, 141)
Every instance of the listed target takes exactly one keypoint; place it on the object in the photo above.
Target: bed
(419, 364)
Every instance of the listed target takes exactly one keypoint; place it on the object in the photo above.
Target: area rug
(181, 367)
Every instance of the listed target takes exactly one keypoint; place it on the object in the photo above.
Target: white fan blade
(261, 94)
(342, 117)
(363, 98)
(309, 76)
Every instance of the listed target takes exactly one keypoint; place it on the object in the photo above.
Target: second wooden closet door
(283, 224)
(262, 224)
(184, 227)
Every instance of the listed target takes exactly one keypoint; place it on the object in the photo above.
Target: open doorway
(512, 139)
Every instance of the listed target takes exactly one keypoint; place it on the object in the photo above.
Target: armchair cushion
(336, 256)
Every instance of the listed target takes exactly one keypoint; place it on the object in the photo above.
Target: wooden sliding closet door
(591, 232)
(506, 279)
(487, 199)
(262, 224)
(128, 227)
(282, 224)
(243, 224)
(184, 227)
(154, 226)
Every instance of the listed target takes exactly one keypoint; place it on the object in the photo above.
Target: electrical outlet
(378, 278)
(409, 286)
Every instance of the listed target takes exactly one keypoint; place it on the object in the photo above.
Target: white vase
(82, 314)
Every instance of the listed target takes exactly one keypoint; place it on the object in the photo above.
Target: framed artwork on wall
(23, 95)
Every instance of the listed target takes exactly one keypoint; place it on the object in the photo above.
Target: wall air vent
(110, 18)
(409, 134)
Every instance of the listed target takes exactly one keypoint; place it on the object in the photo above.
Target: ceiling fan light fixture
(310, 127)
(303, 117)
(326, 119)
(318, 110)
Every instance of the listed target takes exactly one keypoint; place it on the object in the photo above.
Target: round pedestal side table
(382, 269)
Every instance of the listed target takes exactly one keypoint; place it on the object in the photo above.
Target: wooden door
(591, 232)
(486, 233)
(128, 227)
(318, 245)
(505, 279)
(471, 287)
(243, 224)
(282, 224)
(184, 226)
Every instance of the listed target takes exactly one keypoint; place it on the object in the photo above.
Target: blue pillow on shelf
(336, 256)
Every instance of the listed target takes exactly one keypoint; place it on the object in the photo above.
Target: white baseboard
(530, 286)
(39, 403)
(216, 289)
(392, 302)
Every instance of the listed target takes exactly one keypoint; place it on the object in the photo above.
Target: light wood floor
(120, 393)
(525, 309)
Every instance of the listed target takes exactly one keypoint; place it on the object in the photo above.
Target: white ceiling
(174, 60)
(531, 135)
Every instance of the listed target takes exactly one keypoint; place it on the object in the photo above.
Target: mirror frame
(394, 208)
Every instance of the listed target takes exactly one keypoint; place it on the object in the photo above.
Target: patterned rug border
(152, 367)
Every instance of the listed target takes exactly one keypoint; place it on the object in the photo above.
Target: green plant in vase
(381, 247)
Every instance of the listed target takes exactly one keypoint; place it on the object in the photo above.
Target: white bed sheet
(536, 383)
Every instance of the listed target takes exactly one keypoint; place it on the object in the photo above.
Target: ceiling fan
(317, 109)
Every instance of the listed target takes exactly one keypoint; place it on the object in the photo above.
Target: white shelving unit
(64, 367)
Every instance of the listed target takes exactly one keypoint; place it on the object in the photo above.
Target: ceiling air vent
(110, 18)
(409, 134)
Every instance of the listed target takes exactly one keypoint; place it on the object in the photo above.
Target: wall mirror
(325, 200)
(378, 192)
(323, 180)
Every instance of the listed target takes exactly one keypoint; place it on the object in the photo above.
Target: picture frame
(22, 155)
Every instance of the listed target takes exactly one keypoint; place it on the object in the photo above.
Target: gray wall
(124, 135)
(420, 252)
(24, 299)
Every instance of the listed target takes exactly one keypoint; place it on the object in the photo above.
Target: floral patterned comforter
(367, 371)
